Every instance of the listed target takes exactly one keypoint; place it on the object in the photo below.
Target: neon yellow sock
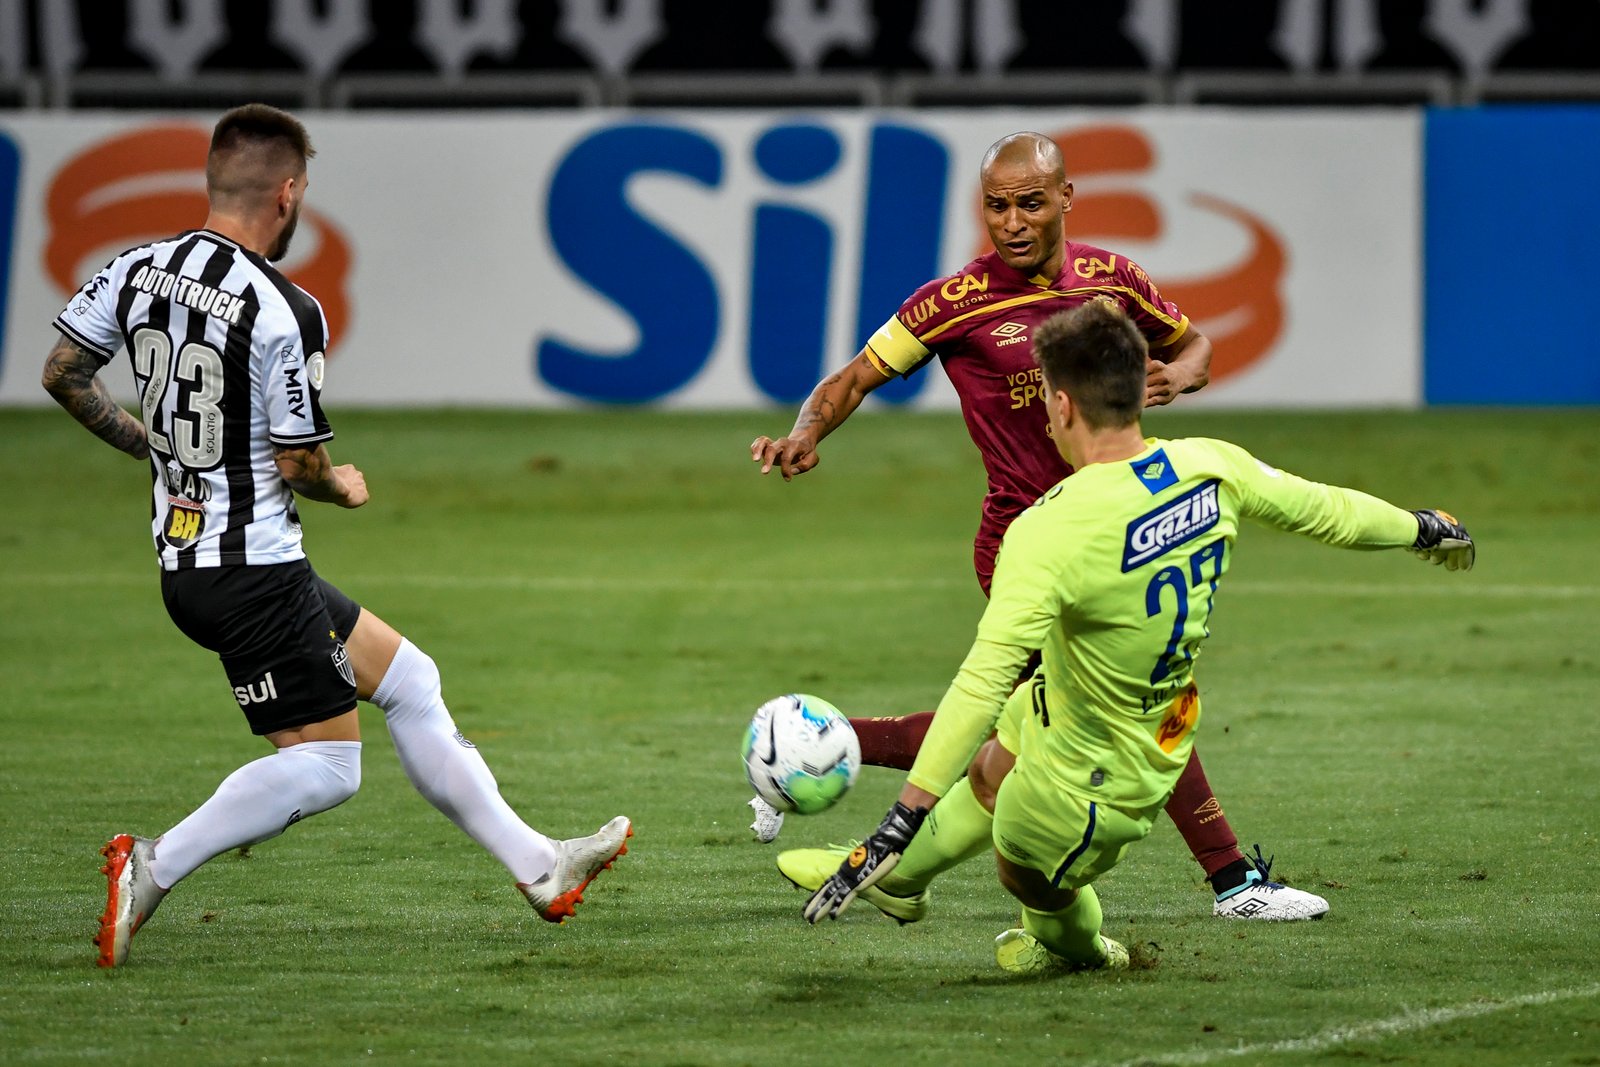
(1072, 933)
(957, 829)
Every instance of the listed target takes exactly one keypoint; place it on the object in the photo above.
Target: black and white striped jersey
(228, 360)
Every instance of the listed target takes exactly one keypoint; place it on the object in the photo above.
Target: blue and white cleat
(1264, 900)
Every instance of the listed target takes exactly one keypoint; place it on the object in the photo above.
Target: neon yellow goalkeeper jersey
(1113, 575)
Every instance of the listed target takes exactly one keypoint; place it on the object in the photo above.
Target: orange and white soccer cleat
(578, 861)
(131, 895)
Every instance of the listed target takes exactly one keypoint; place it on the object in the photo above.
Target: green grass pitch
(610, 594)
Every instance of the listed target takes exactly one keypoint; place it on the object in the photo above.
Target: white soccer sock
(258, 801)
(449, 772)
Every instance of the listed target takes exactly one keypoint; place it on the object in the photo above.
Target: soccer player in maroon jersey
(977, 322)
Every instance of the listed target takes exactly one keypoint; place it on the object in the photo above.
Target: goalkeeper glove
(1441, 539)
(867, 862)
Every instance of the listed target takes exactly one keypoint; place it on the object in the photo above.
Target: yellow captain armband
(895, 349)
(1172, 338)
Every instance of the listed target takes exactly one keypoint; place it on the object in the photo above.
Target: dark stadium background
(87, 53)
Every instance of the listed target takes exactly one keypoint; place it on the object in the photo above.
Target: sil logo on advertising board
(834, 224)
(10, 191)
(1240, 304)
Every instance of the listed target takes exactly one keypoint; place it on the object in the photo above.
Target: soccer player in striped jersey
(228, 357)
(978, 322)
(1112, 574)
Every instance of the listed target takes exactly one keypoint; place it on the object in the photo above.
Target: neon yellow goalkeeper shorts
(1070, 839)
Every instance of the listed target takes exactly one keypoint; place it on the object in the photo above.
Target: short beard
(281, 248)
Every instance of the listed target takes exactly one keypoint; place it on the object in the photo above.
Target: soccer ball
(800, 753)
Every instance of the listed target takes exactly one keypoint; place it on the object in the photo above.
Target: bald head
(1033, 151)
(1026, 197)
(254, 150)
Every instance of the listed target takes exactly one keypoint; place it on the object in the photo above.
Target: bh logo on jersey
(184, 526)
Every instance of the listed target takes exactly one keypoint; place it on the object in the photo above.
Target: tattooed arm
(829, 404)
(69, 377)
(311, 473)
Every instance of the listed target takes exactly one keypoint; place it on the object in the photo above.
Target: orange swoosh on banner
(1239, 308)
(79, 225)
(1243, 303)
(1098, 149)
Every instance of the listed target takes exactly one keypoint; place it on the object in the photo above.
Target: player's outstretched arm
(829, 404)
(1183, 368)
(1343, 517)
(69, 377)
(1441, 539)
(311, 473)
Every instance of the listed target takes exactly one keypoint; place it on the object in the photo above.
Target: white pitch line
(1370, 1031)
(1449, 586)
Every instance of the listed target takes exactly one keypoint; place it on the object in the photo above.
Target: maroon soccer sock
(1196, 813)
(892, 741)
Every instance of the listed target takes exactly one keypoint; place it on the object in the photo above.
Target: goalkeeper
(1112, 575)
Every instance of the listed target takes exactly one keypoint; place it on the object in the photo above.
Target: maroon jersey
(978, 322)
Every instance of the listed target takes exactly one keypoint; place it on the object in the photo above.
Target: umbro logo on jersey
(1160, 531)
(1015, 333)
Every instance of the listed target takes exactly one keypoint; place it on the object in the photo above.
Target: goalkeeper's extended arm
(1441, 539)
(867, 862)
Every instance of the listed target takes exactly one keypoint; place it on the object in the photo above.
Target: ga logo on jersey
(956, 288)
(1090, 266)
(184, 526)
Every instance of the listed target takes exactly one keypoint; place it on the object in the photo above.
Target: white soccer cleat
(1262, 899)
(131, 896)
(769, 821)
(578, 860)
